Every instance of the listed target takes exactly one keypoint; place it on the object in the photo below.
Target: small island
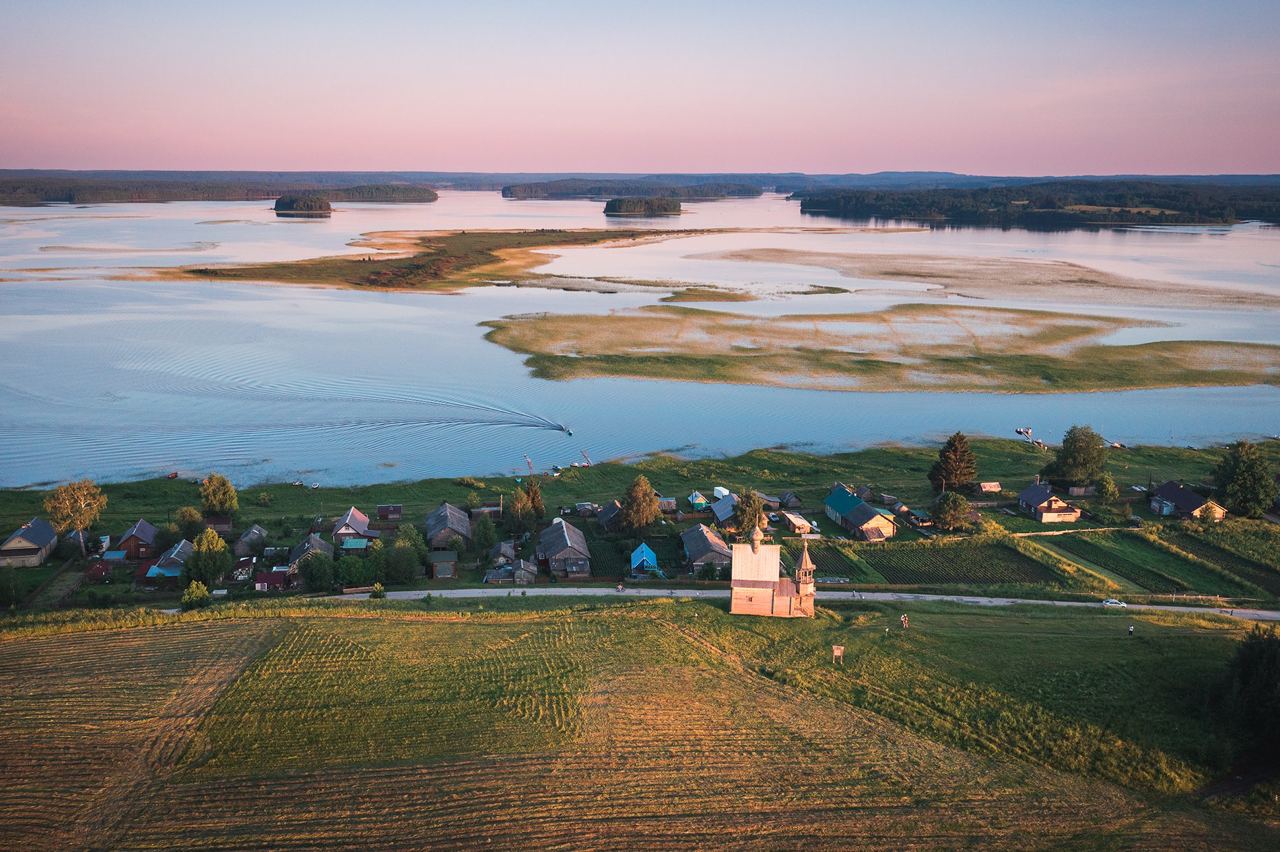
(303, 206)
(642, 207)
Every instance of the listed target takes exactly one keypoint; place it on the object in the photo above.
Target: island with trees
(95, 188)
(1055, 204)
(306, 206)
(642, 207)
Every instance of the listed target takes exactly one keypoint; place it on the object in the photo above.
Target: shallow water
(121, 379)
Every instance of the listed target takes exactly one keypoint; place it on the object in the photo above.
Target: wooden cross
(837, 654)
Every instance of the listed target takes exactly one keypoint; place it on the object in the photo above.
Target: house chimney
(1036, 481)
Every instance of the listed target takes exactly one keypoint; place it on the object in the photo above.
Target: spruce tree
(956, 467)
(1248, 483)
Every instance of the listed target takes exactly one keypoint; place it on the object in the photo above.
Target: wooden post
(837, 654)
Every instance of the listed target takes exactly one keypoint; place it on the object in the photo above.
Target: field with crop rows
(1250, 570)
(831, 559)
(626, 725)
(1151, 567)
(963, 563)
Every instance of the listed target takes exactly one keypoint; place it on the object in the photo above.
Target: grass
(911, 346)
(639, 724)
(1148, 565)
(967, 563)
(1208, 546)
(435, 262)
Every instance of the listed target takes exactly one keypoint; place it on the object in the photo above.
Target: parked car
(1114, 602)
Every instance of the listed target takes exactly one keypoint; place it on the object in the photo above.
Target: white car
(1114, 602)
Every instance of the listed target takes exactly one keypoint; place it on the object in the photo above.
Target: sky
(1003, 88)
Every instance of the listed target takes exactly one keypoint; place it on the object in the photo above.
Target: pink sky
(817, 87)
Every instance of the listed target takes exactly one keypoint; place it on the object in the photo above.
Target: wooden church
(760, 588)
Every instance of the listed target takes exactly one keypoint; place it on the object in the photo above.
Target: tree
(952, 511)
(408, 536)
(219, 495)
(748, 513)
(1108, 491)
(376, 556)
(353, 571)
(533, 488)
(956, 467)
(473, 501)
(1252, 688)
(196, 595)
(483, 535)
(75, 506)
(639, 506)
(403, 566)
(209, 561)
(8, 586)
(317, 572)
(1080, 459)
(1248, 484)
(520, 513)
(190, 522)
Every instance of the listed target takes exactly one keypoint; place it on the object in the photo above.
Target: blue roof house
(645, 561)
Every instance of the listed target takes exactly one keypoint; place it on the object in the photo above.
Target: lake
(119, 379)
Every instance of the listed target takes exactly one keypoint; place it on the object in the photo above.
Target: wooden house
(667, 505)
(858, 516)
(769, 502)
(697, 502)
(1173, 499)
(644, 562)
(353, 525)
(759, 587)
(722, 510)
(520, 573)
(251, 541)
(308, 547)
(1046, 507)
(790, 500)
(703, 547)
(29, 545)
(445, 523)
(390, 511)
(795, 523)
(503, 553)
(609, 515)
(563, 549)
(168, 568)
(138, 541)
(221, 524)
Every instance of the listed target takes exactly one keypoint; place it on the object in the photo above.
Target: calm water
(121, 379)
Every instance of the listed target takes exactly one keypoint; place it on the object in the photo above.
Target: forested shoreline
(1055, 204)
(76, 190)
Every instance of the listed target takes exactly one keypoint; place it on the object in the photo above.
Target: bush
(470, 482)
(196, 596)
(263, 499)
(378, 592)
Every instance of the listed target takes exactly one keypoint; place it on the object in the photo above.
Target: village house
(444, 564)
(503, 553)
(445, 523)
(306, 548)
(1175, 499)
(795, 523)
(645, 562)
(790, 500)
(29, 545)
(390, 511)
(666, 505)
(251, 541)
(769, 502)
(168, 568)
(759, 587)
(703, 546)
(722, 510)
(1046, 507)
(353, 525)
(138, 541)
(858, 516)
(609, 515)
(563, 548)
(278, 579)
(221, 524)
(697, 502)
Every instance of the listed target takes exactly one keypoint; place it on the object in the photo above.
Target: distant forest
(583, 188)
(25, 191)
(1055, 204)
(642, 207)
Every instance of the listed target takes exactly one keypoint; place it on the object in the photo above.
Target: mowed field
(628, 725)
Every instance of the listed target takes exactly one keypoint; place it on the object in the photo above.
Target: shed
(698, 502)
(390, 511)
(719, 491)
(444, 564)
(796, 523)
(609, 515)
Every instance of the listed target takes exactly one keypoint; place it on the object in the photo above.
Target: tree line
(585, 188)
(1055, 204)
(45, 190)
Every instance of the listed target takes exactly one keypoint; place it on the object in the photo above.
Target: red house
(138, 541)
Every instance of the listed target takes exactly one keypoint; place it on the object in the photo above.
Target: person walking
(1130, 629)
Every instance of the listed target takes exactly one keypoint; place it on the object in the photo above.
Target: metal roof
(37, 532)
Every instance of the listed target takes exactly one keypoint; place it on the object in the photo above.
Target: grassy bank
(637, 724)
(430, 261)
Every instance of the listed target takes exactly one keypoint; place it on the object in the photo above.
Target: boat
(172, 475)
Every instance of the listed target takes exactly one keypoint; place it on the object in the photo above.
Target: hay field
(654, 724)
